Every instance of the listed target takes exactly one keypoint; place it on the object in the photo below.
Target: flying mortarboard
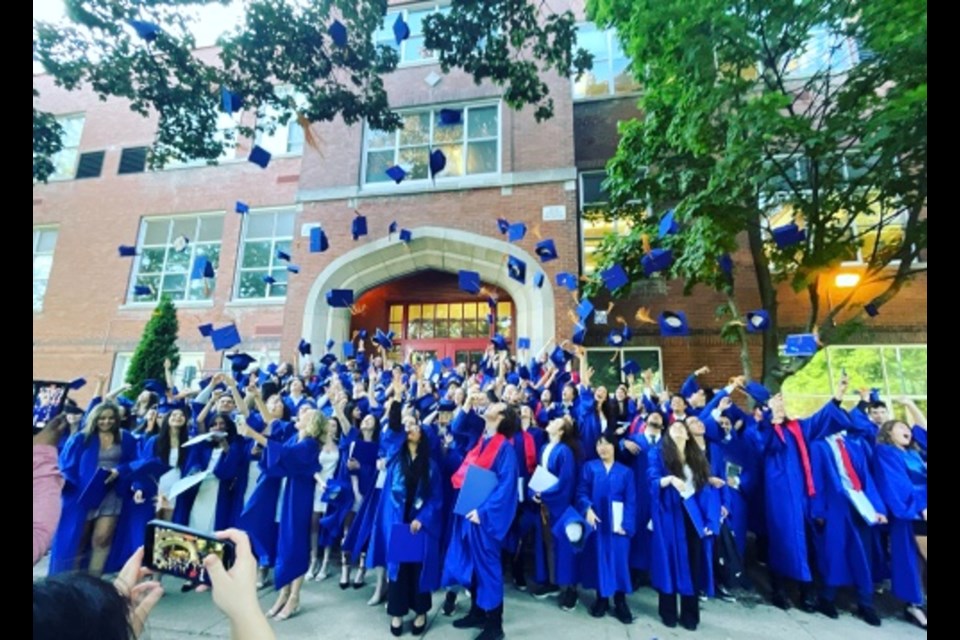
(225, 337)
(451, 116)
(516, 232)
(579, 334)
(757, 321)
(328, 359)
(503, 224)
(205, 330)
(406, 235)
(614, 277)
(438, 162)
(393, 227)
(725, 262)
(155, 386)
(143, 290)
(202, 268)
(656, 260)
(757, 391)
(292, 268)
(668, 226)
(384, 340)
(627, 333)
(801, 344)
(567, 280)
(348, 350)
(180, 243)
(304, 347)
(615, 338)
(538, 279)
(242, 207)
(517, 269)
(359, 226)
(146, 30)
(547, 250)
(788, 235)
(259, 156)
(283, 255)
(523, 343)
(338, 33)
(240, 361)
(77, 383)
(401, 30)
(447, 363)
(330, 344)
(230, 101)
(269, 280)
(127, 251)
(875, 395)
(499, 342)
(318, 240)
(584, 309)
(340, 298)
(469, 281)
(630, 367)
(560, 357)
(673, 323)
(871, 309)
(396, 173)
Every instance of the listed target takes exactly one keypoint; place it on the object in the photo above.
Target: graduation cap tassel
(616, 354)
(645, 241)
(309, 136)
(535, 230)
(643, 315)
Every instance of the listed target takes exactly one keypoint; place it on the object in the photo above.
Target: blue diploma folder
(366, 453)
(96, 490)
(478, 484)
(696, 515)
(406, 546)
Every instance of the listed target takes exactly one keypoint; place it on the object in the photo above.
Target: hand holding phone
(180, 551)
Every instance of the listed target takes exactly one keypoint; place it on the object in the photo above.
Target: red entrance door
(466, 350)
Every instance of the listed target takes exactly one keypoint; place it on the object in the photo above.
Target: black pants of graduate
(689, 605)
(404, 593)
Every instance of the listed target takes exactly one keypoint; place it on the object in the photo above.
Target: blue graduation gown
(232, 472)
(845, 546)
(902, 482)
(373, 528)
(605, 561)
(429, 515)
(556, 499)
(588, 424)
(475, 549)
(640, 542)
(785, 489)
(528, 512)
(669, 558)
(78, 464)
(258, 517)
(296, 460)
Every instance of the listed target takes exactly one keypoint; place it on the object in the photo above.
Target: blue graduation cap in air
(292, 268)
(499, 342)
(517, 269)
(242, 207)
(614, 277)
(438, 162)
(401, 30)
(567, 280)
(269, 280)
(630, 368)
(331, 343)
(406, 235)
(759, 393)
(126, 251)
(340, 298)
(584, 309)
(516, 232)
(615, 338)
(318, 240)
(757, 321)
(875, 394)
(392, 228)
(668, 226)
(450, 117)
(801, 344)
(205, 329)
(788, 235)
(560, 357)
(349, 351)
(338, 33)
(872, 310)
(538, 279)
(146, 30)
(77, 383)
(627, 333)
(504, 225)
(579, 334)
(725, 262)
(523, 343)
(202, 268)
(359, 226)
(225, 337)
(384, 340)
(283, 255)
(143, 290)
(259, 156)
(304, 347)
(230, 101)
(656, 260)
(396, 173)
(673, 323)
(328, 359)
(469, 281)
(546, 250)
(240, 361)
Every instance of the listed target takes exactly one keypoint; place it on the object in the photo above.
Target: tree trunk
(745, 363)
(770, 358)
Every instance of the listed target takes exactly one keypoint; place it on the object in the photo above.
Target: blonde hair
(317, 426)
(94, 417)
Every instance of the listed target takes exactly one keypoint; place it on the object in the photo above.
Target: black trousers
(404, 593)
(689, 605)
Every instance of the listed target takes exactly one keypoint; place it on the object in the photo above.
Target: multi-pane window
(264, 233)
(286, 139)
(168, 254)
(896, 370)
(449, 320)
(186, 376)
(593, 226)
(411, 49)
(65, 160)
(471, 147)
(610, 74)
(608, 364)
(44, 241)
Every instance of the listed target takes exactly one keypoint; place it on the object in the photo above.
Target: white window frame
(121, 364)
(620, 227)
(276, 265)
(611, 38)
(133, 300)
(38, 233)
(65, 161)
(442, 178)
(225, 122)
(279, 142)
(385, 35)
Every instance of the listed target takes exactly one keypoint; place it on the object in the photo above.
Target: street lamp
(847, 280)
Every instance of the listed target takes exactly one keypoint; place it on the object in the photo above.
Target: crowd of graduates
(369, 461)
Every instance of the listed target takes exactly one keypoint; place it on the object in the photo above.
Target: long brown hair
(884, 435)
(693, 456)
(162, 443)
(94, 416)
(570, 437)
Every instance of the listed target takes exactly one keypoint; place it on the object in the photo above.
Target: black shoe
(492, 632)
(825, 607)
(623, 613)
(520, 582)
(600, 607)
(187, 587)
(473, 620)
(449, 603)
(418, 630)
(545, 591)
(396, 631)
(724, 594)
(568, 599)
(689, 626)
(912, 619)
(669, 623)
(779, 599)
(868, 615)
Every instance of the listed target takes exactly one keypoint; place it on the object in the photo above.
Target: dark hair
(510, 421)
(78, 606)
(877, 404)
(693, 456)
(231, 425)
(571, 437)
(884, 437)
(162, 446)
(572, 386)
(416, 471)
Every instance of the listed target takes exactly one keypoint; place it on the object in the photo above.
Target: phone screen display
(180, 552)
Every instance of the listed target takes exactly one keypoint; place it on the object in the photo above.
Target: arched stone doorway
(449, 250)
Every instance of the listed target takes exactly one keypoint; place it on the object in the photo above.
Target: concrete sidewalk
(329, 613)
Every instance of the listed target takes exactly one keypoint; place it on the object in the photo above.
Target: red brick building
(501, 164)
